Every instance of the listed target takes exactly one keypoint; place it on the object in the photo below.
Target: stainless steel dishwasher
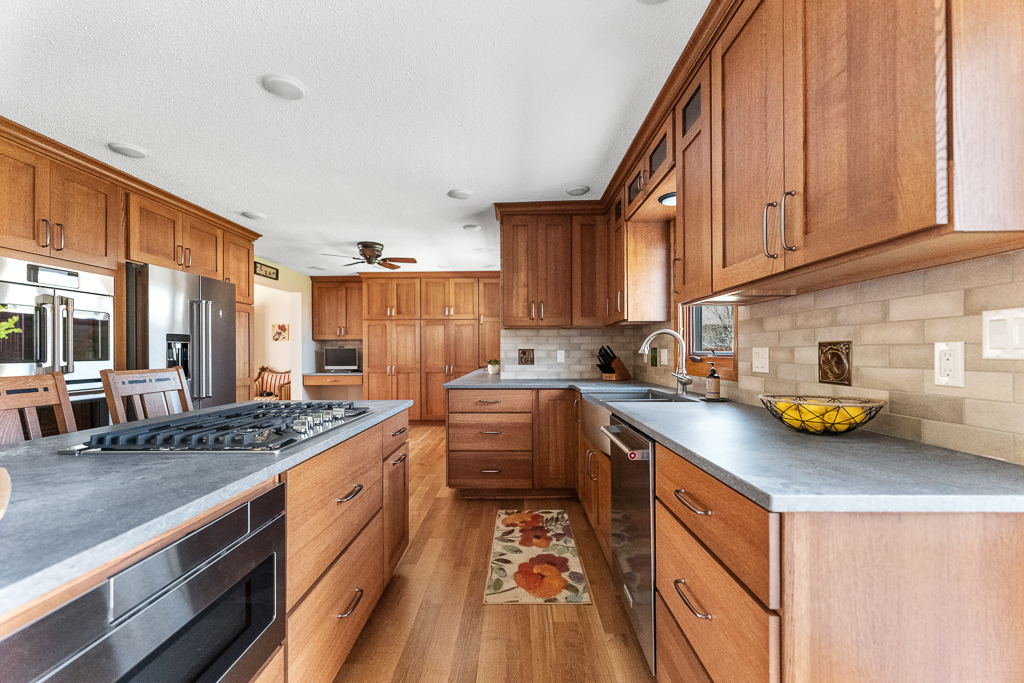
(633, 528)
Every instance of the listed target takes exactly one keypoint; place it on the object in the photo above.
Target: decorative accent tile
(835, 364)
(526, 356)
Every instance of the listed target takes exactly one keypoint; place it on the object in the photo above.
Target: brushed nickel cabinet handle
(490, 471)
(590, 465)
(401, 459)
(180, 259)
(764, 229)
(355, 492)
(575, 410)
(188, 256)
(483, 401)
(481, 318)
(61, 226)
(618, 301)
(533, 310)
(339, 331)
(675, 261)
(686, 600)
(359, 596)
(400, 431)
(541, 310)
(782, 216)
(47, 224)
(490, 432)
(689, 506)
(343, 328)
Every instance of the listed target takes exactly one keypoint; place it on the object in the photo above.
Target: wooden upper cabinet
(590, 305)
(155, 233)
(391, 298)
(353, 326)
(553, 244)
(25, 204)
(518, 271)
(692, 260)
(448, 298)
(238, 267)
(328, 310)
(86, 216)
(657, 160)
(490, 320)
(616, 305)
(865, 153)
(203, 249)
(747, 144)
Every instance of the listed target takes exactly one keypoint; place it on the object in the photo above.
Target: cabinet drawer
(740, 642)
(490, 401)
(319, 527)
(475, 470)
(396, 431)
(273, 672)
(319, 639)
(676, 660)
(493, 432)
(743, 535)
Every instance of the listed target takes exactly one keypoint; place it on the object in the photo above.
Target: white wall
(285, 300)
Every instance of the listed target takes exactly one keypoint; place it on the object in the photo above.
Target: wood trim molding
(431, 275)
(55, 150)
(573, 206)
(355, 279)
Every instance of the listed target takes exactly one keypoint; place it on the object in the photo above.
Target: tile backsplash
(580, 346)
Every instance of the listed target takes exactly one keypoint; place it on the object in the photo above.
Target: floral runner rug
(534, 560)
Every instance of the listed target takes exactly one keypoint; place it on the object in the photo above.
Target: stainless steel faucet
(682, 379)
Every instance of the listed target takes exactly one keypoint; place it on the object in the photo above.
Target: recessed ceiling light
(125, 149)
(286, 87)
(440, 266)
(668, 199)
(317, 268)
(460, 194)
(469, 227)
(578, 191)
(255, 215)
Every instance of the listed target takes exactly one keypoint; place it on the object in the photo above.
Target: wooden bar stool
(151, 392)
(25, 394)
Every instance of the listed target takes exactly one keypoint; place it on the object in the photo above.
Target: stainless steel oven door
(84, 339)
(26, 317)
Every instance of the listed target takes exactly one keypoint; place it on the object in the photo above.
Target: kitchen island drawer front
(330, 498)
(475, 470)
(676, 660)
(494, 432)
(319, 636)
(735, 638)
(743, 535)
(396, 432)
(490, 401)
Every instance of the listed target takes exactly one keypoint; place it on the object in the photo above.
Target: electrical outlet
(761, 359)
(664, 356)
(561, 355)
(949, 364)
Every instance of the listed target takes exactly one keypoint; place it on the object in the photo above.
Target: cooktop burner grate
(268, 426)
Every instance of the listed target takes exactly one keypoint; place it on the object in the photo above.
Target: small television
(341, 359)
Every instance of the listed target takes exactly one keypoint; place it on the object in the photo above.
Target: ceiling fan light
(668, 199)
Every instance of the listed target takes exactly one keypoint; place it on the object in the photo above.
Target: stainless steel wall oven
(207, 609)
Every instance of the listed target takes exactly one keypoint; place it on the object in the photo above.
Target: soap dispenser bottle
(713, 385)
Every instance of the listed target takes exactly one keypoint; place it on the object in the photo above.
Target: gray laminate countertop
(71, 514)
(479, 379)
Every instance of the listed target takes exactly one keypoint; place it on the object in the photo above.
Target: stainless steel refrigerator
(177, 318)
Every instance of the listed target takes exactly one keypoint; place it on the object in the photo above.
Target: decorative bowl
(822, 414)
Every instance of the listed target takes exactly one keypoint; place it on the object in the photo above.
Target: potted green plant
(493, 367)
(9, 326)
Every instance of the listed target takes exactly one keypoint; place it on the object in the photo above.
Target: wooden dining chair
(151, 392)
(22, 396)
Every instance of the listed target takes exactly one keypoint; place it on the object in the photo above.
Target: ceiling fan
(370, 254)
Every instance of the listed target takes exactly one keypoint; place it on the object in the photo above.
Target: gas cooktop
(263, 427)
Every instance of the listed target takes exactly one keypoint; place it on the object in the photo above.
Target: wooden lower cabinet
(586, 487)
(273, 672)
(391, 362)
(676, 661)
(554, 458)
(245, 372)
(322, 629)
(396, 506)
(490, 470)
(603, 529)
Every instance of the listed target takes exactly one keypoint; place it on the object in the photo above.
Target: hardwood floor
(431, 624)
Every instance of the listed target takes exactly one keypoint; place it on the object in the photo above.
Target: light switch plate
(561, 355)
(761, 359)
(664, 356)
(1002, 334)
(949, 364)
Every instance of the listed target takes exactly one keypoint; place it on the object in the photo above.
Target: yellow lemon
(856, 414)
(812, 412)
(814, 426)
(840, 426)
(782, 406)
(792, 420)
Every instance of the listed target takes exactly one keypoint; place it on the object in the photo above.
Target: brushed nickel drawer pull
(689, 506)
(490, 432)
(401, 459)
(355, 492)
(764, 229)
(782, 216)
(482, 401)
(687, 601)
(490, 471)
(47, 224)
(359, 596)
(400, 431)
(61, 226)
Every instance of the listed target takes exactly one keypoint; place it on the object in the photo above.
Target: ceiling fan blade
(342, 256)
(397, 259)
(354, 263)
(389, 266)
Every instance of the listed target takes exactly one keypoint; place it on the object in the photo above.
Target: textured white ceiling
(516, 100)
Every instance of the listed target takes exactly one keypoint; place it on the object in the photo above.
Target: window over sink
(710, 333)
